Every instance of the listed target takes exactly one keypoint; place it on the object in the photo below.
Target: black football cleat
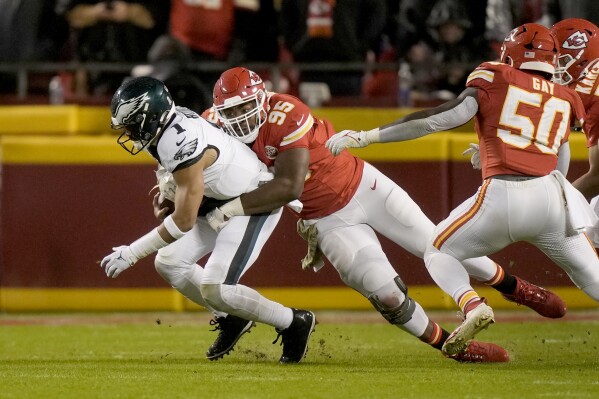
(295, 337)
(231, 329)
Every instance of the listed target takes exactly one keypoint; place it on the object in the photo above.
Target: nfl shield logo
(271, 152)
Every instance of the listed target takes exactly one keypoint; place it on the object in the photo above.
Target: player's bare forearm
(272, 195)
(190, 191)
(291, 168)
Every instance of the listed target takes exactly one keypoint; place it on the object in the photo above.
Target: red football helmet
(240, 103)
(578, 41)
(531, 47)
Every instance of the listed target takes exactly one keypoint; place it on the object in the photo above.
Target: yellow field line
(137, 299)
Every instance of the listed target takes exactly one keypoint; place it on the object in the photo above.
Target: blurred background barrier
(69, 193)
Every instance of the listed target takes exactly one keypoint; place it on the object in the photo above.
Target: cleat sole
(460, 338)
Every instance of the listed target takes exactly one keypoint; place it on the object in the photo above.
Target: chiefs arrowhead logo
(511, 36)
(254, 78)
(576, 41)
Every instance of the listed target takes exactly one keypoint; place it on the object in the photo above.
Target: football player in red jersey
(345, 200)
(578, 67)
(523, 121)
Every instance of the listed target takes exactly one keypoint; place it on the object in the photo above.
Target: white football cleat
(476, 320)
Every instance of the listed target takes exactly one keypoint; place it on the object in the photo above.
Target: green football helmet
(140, 108)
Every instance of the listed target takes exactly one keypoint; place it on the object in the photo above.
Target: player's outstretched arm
(446, 116)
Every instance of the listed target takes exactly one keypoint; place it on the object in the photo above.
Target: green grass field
(351, 355)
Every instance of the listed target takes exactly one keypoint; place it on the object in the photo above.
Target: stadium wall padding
(69, 194)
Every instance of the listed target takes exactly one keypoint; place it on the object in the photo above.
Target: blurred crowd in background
(431, 46)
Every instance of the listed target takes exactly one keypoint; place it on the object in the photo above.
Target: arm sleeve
(446, 120)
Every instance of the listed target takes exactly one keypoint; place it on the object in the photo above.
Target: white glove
(166, 184)
(475, 157)
(347, 139)
(217, 219)
(121, 259)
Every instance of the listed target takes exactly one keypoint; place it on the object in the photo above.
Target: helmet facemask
(140, 133)
(242, 118)
(561, 75)
(579, 48)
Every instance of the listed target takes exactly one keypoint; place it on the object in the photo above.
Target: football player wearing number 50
(523, 121)
(345, 201)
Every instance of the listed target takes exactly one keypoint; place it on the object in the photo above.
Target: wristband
(172, 228)
(146, 245)
(233, 208)
(372, 136)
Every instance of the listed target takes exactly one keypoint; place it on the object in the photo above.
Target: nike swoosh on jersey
(180, 142)
(299, 132)
(374, 185)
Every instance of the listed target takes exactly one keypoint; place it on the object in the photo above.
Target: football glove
(347, 139)
(217, 219)
(474, 152)
(166, 184)
(121, 259)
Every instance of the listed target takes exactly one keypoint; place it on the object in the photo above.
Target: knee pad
(396, 309)
(221, 297)
(170, 269)
(161, 266)
(212, 294)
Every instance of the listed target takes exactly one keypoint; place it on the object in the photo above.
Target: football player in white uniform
(205, 163)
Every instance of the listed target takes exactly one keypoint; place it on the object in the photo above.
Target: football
(168, 204)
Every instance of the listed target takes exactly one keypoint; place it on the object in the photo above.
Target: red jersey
(522, 119)
(588, 90)
(331, 181)
(205, 26)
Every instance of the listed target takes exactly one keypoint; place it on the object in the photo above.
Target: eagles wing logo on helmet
(575, 41)
(129, 108)
(186, 150)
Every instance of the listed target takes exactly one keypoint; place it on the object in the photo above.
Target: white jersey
(237, 169)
